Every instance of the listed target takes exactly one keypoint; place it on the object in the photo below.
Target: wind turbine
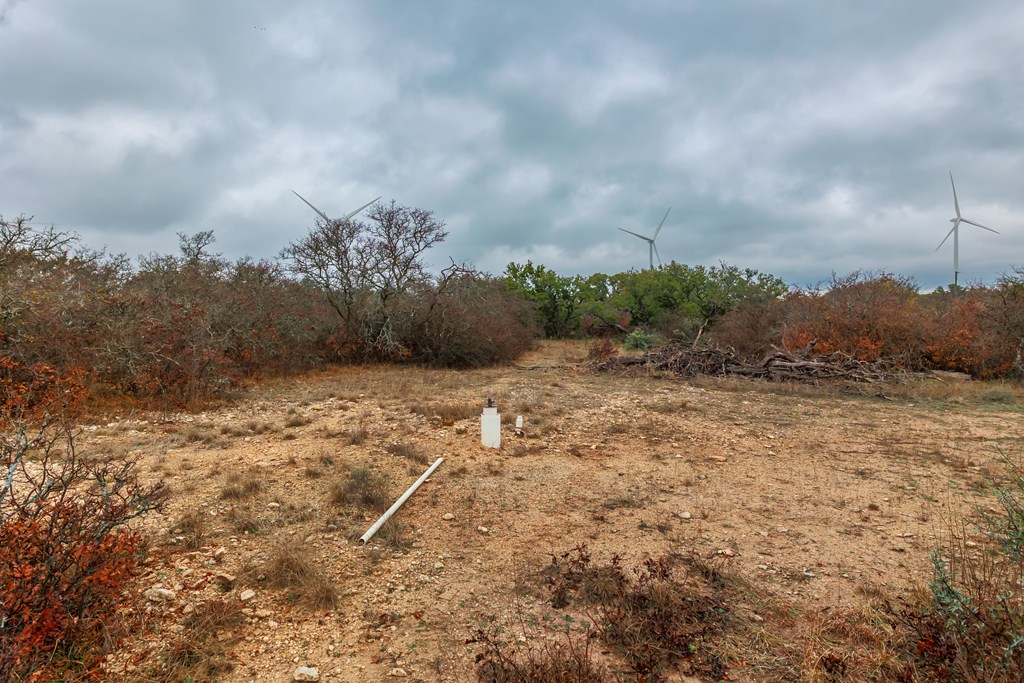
(324, 215)
(653, 249)
(955, 232)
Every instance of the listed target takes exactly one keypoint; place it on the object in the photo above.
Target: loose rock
(160, 594)
(306, 673)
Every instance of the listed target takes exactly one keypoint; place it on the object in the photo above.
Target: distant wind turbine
(955, 232)
(324, 215)
(653, 249)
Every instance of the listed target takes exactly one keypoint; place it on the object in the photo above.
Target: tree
(556, 297)
(362, 268)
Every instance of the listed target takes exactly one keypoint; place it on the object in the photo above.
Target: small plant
(356, 437)
(297, 421)
(972, 627)
(638, 339)
(395, 535)
(602, 350)
(239, 487)
(289, 568)
(198, 651)
(447, 412)
(244, 520)
(655, 619)
(409, 452)
(363, 487)
(191, 527)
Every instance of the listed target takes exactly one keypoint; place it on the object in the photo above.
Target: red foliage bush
(62, 580)
(66, 555)
(882, 317)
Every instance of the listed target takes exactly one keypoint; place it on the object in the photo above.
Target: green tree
(556, 298)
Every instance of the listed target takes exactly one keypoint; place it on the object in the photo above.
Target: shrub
(602, 350)
(972, 627)
(66, 554)
(655, 618)
(289, 568)
(638, 339)
(363, 487)
(465, 321)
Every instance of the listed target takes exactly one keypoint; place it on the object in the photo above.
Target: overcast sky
(795, 137)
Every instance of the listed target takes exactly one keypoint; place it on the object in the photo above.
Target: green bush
(638, 339)
(972, 628)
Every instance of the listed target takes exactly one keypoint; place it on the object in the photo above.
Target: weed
(303, 578)
(446, 412)
(198, 651)
(638, 339)
(395, 535)
(297, 421)
(409, 452)
(356, 437)
(362, 487)
(191, 528)
(239, 487)
(622, 502)
(244, 520)
(653, 618)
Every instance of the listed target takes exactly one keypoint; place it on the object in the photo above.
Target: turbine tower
(955, 232)
(652, 248)
(324, 215)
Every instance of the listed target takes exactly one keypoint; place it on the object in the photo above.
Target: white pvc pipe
(398, 503)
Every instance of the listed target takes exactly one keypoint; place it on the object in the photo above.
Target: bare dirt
(816, 498)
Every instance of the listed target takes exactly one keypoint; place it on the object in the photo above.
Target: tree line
(179, 329)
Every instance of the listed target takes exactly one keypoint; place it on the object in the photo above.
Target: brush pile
(779, 366)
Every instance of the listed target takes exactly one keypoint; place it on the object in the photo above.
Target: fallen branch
(778, 366)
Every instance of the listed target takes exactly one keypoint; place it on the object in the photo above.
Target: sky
(799, 138)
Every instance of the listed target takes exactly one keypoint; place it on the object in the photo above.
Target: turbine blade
(349, 215)
(661, 223)
(656, 251)
(946, 237)
(979, 225)
(956, 204)
(322, 214)
(648, 239)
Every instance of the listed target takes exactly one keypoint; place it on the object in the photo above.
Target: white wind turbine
(652, 248)
(955, 232)
(324, 215)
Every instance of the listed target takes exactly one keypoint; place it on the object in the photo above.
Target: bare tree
(20, 241)
(363, 267)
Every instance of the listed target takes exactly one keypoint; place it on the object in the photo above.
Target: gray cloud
(793, 137)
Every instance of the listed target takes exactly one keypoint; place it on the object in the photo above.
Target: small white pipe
(398, 503)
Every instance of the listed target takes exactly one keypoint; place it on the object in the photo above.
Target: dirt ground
(816, 498)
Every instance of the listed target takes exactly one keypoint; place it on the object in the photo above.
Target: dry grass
(200, 436)
(409, 452)
(292, 569)
(191, 528)
(395, 535)
(198, 652)
(362, 487)
(241, 487)
(446, 412)
(244, 520)
(297, 421)
(357, 436)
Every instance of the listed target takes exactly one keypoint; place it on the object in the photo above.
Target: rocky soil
(816, 498)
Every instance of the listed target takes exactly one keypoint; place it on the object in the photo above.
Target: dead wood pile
(779, 366)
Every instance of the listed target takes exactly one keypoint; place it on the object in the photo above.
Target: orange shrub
(66, 556)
